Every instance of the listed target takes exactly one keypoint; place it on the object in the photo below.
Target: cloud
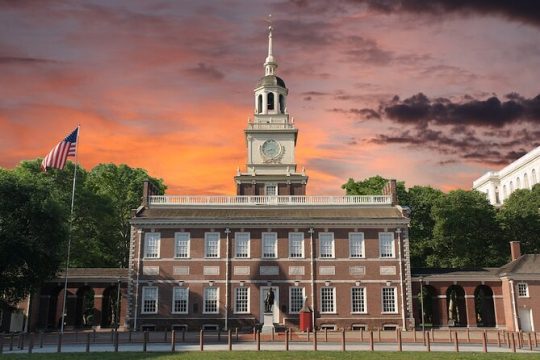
(521, 10)
(492, 112)
(206, 72)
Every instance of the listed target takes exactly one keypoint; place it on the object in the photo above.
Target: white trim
(236, 235)
(292, 233)
(144, 289)
(303, 289)
(206, 240)
(363, 255)
(275, 239)
(248, 306)
(258, 200)
(155, 236)
(174, 299)
(177, 238)
(334, 310)
(395, 300)
(333, 254)
(381, 235)
(364, 300)
(204, 300)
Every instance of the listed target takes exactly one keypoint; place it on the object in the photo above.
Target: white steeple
(270, 65)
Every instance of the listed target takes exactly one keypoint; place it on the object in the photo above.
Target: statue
(269, 301)
(453, 311)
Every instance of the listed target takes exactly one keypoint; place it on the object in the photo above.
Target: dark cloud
(205, 72)
(521, 10)
(17, 60)
(492, 112)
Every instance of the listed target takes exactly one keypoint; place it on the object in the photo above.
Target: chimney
(515, 249)
(390, 188)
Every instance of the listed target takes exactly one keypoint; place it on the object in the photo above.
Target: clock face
(271, 148)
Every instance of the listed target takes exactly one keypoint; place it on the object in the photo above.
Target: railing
(265, 126)
(270, 200)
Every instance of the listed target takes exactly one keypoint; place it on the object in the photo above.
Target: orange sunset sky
(429, 92)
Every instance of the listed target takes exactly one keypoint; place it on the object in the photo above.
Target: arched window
(504, 192)
(281, 104)
(511, 187)
(259, 104)
(525, 181)
(518, 183)
(270, 100)
(533, 176)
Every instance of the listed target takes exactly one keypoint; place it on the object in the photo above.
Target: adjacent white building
(523, 173)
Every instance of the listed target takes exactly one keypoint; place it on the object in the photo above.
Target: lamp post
(117, 317)
(422, 301)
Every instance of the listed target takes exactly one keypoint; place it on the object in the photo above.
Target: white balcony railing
(266, 126)
(269, 200)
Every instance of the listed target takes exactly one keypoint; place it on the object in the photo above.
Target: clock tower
(271, 140)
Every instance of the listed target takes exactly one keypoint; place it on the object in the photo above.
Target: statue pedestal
(268, 324)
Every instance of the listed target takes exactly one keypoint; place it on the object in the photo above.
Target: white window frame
(205, 299)
(152, 236)
(247, 302)
(145, 297)
(237, 238)
(181, 237)
(207, 239)
(302, 297)
(176, 297)
(352, 255)
(522, 289)
(333, 245)
(363, 300)
(382, 239)
(395, 304)
(271, 185)
(332, 290)
(292, 239)
(265, 237)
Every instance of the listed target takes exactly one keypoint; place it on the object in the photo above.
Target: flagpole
(70, 225)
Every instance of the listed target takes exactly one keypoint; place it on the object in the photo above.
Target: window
(211, 245)
(270, 101)
(259, 104)
(180, 300)
(241, 241)
(181, 240)
(296, 299)
(386, 245)
(533, 176)
(149, 300)
(269, 241)
(241, 300)
(210, 300)
(151, 245)
(296, 245)
(326, 243)
(358, 299)
(518, 183)
(271, 190)
(356, 245)
(389, 300)
(328, 300)
(523, 290)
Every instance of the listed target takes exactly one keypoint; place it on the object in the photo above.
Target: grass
(272, 355)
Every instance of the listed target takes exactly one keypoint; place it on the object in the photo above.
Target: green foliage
(466, 233)
(32, 231)
(374, 186)
(122, 188)
(519, 218)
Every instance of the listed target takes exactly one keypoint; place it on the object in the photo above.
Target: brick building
(208, 261)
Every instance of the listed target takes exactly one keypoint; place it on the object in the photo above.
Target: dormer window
(270, 101)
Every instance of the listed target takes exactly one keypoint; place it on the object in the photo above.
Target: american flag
(56, 158)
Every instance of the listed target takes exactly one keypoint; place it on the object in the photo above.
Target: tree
(466, 233)
(421, 200)
(32, 234)
(123, 187)
(374, 186)
(519, 218)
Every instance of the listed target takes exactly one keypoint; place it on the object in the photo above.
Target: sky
(429, 92)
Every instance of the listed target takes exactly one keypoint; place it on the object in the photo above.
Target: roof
(281, 214)
(271, 80)
(526, 264)
(93, 274)
(446, 274)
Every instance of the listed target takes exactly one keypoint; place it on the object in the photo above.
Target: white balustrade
(269, 200)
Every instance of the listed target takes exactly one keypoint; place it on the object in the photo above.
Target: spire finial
(270, 64)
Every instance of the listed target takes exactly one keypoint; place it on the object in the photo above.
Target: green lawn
(272, 355)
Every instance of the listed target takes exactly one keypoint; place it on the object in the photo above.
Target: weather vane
(269, 21)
